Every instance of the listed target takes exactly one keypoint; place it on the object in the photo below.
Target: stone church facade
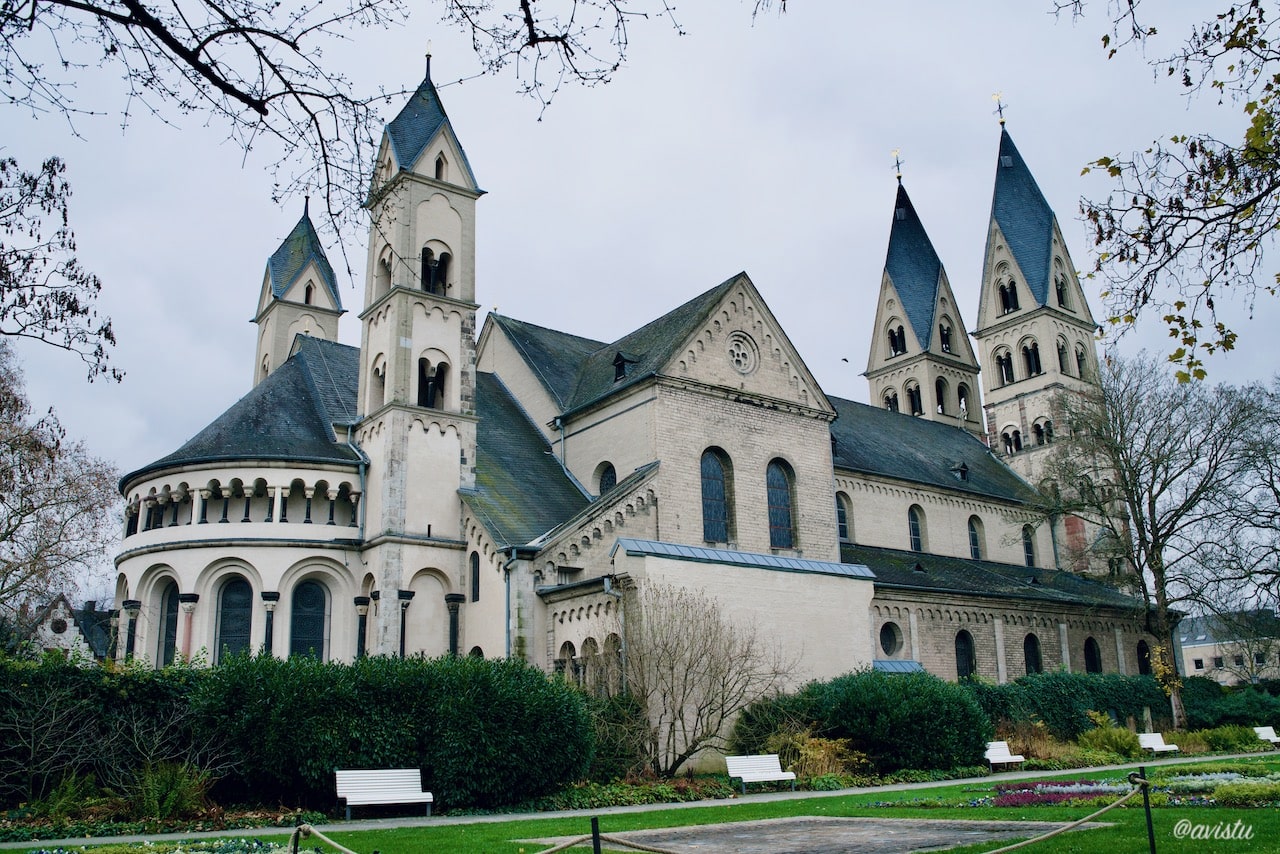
(496, 492)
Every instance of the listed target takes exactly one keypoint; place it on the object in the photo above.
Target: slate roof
(300, 248)
(914, 267)
(1214, 629)
(896, 569)
(579, 371)
(873, 440)
(703, 554)
(417, 123)
(521, 490)
(1024, 217)
(288, 416)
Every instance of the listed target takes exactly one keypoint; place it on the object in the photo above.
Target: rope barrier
(303, 831)
(605, 837)
(1138, 782)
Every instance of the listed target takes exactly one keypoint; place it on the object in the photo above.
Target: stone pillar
(131, 609)
(1065, 644)
(355, 509)
(1002, 669)
(187, 602)
(226, 505)
(405, 597)
(273, 495)
(309, 493)
(452, 601)
(914, 626)
(205, 495)
(1120, 668)
(362, 624)
(332, 495)
(270, 598)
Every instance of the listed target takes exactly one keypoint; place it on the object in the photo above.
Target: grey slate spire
(914, 266)
(1024, 217)
(417, 123)
(299, 249)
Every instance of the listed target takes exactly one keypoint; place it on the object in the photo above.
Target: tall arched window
(977, 538)
(1031, 654)
(235, 617)
(308, 293)
(442, 168)
(940, 395)
(307, 619)
(1092, 656)
(966, 658)
(1031, 357)
(915, 401)
(1081, 363)
(1063, 362)
(890, 402)
(168, 624)
(781, 488)
(1028, 546)
(717, 496)
(962, 397)
(944, 337)
(844, 527)
(1004, 366)
(475, 576)
(1144, 658)
(916, 528)
(607, 477)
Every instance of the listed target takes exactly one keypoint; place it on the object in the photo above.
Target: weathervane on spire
(428, 58)
(998, 97)
(897, 162)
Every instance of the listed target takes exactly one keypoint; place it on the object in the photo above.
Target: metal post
(595, 835)
(1146, 805)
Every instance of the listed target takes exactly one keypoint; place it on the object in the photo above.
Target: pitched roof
(1225, 628)
(897, 569)
(288, 416)
(300, 248)
(1024, 217)
(873, 440)
(555, 357)
(731, 557)
(914, 267)
(417, 123)
(521, 489)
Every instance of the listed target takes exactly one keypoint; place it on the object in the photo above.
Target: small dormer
(622, 365)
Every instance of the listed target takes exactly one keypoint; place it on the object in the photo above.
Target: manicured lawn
(945, 802)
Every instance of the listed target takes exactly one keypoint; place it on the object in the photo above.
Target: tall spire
(914, 266)
(1024, 217)
(301, 248)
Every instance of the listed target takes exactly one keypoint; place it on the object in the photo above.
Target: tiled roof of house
(873, 440)
(300, 248)
(914, 267)
(924, 572)
(288, 416)
(521, 489)
(1024, 217)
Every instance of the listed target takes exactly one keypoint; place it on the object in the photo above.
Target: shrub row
(1063, 700)
(484, 732)
(1209, 704)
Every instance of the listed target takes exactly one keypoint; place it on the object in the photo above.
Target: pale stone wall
(620, 432)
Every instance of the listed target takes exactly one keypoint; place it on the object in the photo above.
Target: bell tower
(417, 371)
(921, 362)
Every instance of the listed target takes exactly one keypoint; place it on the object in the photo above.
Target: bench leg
(744, 787)
(793, 785)
(428, 809)
(348, 812)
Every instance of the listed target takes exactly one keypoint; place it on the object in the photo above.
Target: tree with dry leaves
(692, 670)
(57, 502)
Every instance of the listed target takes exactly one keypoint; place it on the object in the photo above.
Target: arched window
(1092, 656)
(1031, 654)
(1144, 658)
(966, 658)
(235, 617)
(168, 624)
(915, 401)
(307, 619)
(890, 401)
(431, 384)
(1031, 358)
(1028, 546)
(944, 337)
(1008, 297)
(1060, 287)
(717, 496)
(1082, 363)
(1004, 366)
(916, 528)
(1063, 361)
(844, 528)
(607, 478)
(442, 168)
(781, 488)
(1038, 431)
(962, 396)
(940, 395)
(977, 538)
(308, 293)
(476, 652)
(475, 576)
(381, 277)
(1012, 441)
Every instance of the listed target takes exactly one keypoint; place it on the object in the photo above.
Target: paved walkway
(420, 821)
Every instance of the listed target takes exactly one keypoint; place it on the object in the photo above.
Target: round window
(742, 353)
(58, 625)
(890, 639)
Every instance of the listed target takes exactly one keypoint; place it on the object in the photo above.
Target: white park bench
(1267, 733)
(1154, 742)
(998, 754)
(758, 769)
(381, 786)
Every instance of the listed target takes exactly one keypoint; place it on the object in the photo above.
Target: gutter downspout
(364, 469)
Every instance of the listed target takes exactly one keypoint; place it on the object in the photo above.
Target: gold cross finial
(897, 162)
(998, 97)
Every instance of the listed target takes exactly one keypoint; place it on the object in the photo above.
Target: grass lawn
(1128, 835)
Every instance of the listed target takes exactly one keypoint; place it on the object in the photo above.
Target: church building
(498, 492)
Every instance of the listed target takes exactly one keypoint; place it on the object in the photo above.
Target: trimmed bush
(1063, 700)
(761, 720)
(904, 721)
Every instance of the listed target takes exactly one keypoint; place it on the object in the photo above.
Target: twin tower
(1034, 332)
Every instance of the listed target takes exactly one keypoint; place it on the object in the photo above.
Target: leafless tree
(692, 669)
(56, 501)
(1164, 469)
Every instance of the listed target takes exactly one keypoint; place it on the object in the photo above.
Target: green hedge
(1209, 704)
(485, 733)
(1063, 700)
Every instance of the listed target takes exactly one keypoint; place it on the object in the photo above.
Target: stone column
(187, 601)
(309, 492)
(1065, 644)
(1002, 668)
(355, 509)
(273, 494)
(269, 600)
(914, 626)
(452, 601)
(362, 624)
(205, 495)
(405, 597)
(1120, 651)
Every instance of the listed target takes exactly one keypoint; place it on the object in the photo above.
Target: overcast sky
(761, 147)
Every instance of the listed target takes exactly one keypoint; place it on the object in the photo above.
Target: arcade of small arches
(595, 666)
(1011, 439)
(239, 500)
(944, 403)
